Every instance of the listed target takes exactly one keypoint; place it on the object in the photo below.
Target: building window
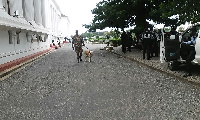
(10, 37)
(18, 39)
(45, 37)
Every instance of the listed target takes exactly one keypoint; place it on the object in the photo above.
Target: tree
(112, 14)
(181, 29)
(125, 13)
(185, 10)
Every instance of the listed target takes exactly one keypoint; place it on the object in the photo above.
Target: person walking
(77, 43)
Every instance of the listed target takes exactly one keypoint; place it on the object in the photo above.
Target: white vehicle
(170, 47)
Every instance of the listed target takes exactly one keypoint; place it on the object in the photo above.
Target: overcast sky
(79, 12)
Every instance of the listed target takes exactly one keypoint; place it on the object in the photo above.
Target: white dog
(88, 54)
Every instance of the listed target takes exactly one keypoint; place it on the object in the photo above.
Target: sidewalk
(154, 63)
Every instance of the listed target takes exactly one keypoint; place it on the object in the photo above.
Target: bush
(115, 42)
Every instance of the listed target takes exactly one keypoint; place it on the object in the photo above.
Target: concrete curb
(12, 67)
(159, 69)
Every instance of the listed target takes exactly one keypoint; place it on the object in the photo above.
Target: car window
(186, 35)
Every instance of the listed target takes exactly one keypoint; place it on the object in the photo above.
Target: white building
(64, 26)
(27, 28)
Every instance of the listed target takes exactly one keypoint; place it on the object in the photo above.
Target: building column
(58, 23)
(5, 5)
(16, 8)
(43, 12)
(55, 21)
(1, 4)
(48, 16)
(29, 10)
(37, 11)
(52, 19)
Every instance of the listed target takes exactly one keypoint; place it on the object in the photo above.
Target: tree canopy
(126, 13)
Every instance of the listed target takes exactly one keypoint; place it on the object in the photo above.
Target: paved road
(56, 87)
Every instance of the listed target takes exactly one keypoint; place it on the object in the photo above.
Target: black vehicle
(172, 47)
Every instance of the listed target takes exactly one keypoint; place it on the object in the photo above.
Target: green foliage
(114, 34)
(125, 13)
(92, 34)
(101, 35)
(115, 41)
(181, 29)
(187, 10)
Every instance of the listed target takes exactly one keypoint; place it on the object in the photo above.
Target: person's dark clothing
(124, 38)
(129, 42)
(147, 43)
(190, 57)
(154, 46)
(189, 47)
(77, 43)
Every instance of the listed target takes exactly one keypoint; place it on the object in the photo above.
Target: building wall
(27, 27)
(64, 26)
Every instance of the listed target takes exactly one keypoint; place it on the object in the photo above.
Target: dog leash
(86, 47)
